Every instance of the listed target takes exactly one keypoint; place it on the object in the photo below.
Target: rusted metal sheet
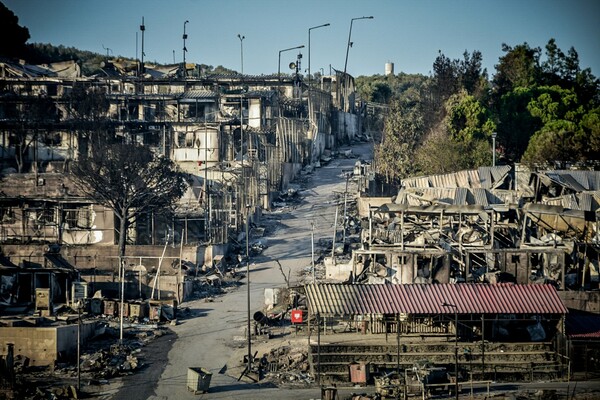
(346, 300)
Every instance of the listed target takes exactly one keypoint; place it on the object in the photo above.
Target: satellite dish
(292, 65)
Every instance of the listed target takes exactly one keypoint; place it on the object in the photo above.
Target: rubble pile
(101, 360)
(288, 200)
(287, 365)
(105, 364)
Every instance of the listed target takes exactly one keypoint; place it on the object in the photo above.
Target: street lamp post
(184, 48)
(349, 36)
(312, 249)
(79, 307)
(494, 134)
(279, 63)
(248, 286)
(455, 345)
(309, 29)
(242, 118)
(143, 29)
(242, 50)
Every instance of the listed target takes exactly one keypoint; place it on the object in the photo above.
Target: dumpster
(198, 380)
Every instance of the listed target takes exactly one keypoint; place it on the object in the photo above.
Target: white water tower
(389, 68)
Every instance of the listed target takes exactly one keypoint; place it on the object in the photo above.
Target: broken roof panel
(347, 300)
(585, 201)
(480, 197)
(577, 181)
(583, 326)
(460, 196)
(484, 177)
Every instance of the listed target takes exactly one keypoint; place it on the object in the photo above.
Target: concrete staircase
(497, 361)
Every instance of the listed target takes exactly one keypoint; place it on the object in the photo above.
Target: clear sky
(406, 33)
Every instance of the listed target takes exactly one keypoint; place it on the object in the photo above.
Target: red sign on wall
(296, 316)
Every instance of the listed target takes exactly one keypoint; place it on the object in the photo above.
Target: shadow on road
(240, 386)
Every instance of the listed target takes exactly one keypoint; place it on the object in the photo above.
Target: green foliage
(519, 67)
(439, 154)
(402, 133)
(516, 124)
(467, 119)
(568, 134)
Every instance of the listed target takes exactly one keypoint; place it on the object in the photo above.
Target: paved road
(206, 341)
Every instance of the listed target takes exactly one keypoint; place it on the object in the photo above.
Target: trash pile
(288, 199)
(287, 365)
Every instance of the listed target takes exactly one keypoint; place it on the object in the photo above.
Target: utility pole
(347, 173)
(312, 248)
(334, 235)
(122, 276)
(248, 286)
(143, 29)
(455, 307)
(79, 305)
(185, 36)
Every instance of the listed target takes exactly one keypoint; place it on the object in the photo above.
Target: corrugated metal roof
(484, 177)
(346, 300)
(460, 196)
(585, 201)
(474, 180)
(198, 94)
(576, 180)
(480, 197)
(499, 173)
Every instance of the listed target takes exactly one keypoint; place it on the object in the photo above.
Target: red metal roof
(476, 298)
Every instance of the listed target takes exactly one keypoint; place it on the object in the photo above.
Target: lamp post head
(319, 26)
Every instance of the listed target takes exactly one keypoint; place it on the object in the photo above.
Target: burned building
(240, 138)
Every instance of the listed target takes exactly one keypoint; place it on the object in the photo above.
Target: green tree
(446, 77)
(470, 123)
(516, 124)
(519, 67)
(440, 154)
(568, 132)
(473, 77)
(467, 119)
(403, 129)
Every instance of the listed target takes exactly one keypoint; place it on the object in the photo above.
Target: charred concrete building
(241, 139)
